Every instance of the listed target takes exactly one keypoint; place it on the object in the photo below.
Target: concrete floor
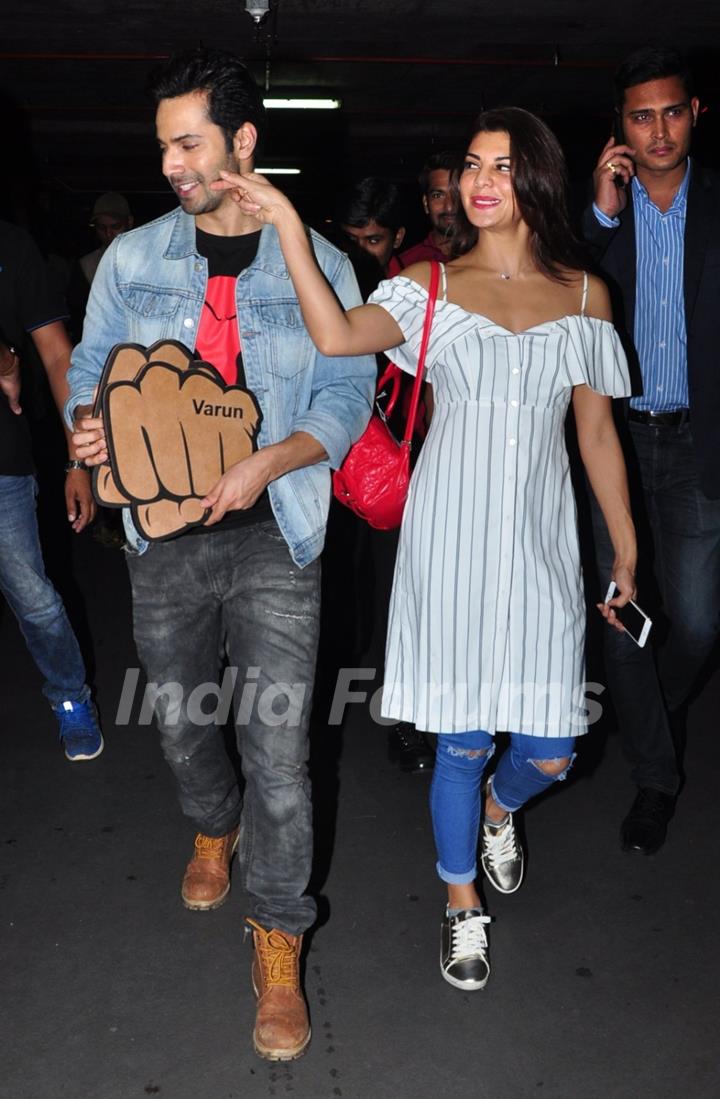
(605, 965)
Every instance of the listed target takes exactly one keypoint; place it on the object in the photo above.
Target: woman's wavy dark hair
(539, 181)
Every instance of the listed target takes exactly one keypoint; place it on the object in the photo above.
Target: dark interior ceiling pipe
(550, 62)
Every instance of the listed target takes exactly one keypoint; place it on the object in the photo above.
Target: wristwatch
(75, 463)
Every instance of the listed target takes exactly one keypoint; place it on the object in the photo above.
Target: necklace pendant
(505, 276)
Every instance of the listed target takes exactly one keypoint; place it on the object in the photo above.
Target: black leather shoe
(408, 748)
(645, 827)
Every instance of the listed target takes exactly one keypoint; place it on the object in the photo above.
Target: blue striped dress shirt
(660, 332)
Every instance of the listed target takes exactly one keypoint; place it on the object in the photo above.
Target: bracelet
(75, 463)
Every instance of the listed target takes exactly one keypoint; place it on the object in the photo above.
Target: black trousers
(678, 586)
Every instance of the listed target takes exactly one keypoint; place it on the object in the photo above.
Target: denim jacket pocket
(151, 302)
(283, 324)
(287, 314)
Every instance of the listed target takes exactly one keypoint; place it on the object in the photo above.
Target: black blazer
(614, 253)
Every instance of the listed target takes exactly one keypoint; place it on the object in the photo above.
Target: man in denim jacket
(245, 583)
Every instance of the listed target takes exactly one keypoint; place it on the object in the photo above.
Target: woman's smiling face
(486, 188)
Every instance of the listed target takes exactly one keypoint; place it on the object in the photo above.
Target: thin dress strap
(443, 276)
(583, 303)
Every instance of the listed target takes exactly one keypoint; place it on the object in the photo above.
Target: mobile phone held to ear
(619, 139)
(636, 623)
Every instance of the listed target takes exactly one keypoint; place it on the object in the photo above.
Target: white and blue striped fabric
(660, 332)
(487, 617)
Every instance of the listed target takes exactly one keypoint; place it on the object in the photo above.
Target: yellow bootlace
(278, 957)
(209, 847)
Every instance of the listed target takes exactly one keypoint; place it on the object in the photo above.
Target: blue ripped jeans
(455, 790)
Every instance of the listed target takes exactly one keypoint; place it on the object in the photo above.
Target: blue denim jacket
(151, 285)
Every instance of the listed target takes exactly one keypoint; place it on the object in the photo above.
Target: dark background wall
(410, 77)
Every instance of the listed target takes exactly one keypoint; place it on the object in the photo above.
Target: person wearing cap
(110, 217)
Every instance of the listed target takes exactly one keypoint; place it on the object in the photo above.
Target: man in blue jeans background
(246, 583)
(28, 308)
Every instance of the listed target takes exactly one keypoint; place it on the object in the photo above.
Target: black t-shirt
(218, 339)
(27, 302)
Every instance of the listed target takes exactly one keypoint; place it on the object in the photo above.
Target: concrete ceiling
(411, 75)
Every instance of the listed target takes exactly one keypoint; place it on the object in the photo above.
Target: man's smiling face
(194, 150)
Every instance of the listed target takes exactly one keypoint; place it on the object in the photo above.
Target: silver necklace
(503, 276)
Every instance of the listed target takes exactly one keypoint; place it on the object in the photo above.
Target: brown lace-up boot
(207, 876)
(282, 1029)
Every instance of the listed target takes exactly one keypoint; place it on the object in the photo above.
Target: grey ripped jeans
(237, 594)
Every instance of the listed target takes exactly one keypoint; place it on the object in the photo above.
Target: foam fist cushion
(174, 435)
(173, 428)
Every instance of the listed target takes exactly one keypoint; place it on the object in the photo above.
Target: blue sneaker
(79, 730)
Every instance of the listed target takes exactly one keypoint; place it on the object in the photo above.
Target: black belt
(660, 419)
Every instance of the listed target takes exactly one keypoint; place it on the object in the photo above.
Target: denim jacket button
(188, 322)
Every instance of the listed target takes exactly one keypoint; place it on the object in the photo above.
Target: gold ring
(611, 167)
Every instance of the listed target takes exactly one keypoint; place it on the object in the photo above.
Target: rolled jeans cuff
(456, 879)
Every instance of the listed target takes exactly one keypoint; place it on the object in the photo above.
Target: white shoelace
(469, 938)
(500, 844)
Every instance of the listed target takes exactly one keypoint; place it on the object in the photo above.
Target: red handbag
(374, 479)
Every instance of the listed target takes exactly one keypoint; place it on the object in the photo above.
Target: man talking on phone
(654, 225)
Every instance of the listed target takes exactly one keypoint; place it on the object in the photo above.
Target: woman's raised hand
(255, 196)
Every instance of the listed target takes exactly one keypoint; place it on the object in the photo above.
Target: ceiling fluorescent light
(278, 171)
(274, 103)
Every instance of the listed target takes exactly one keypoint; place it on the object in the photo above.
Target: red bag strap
(392, 374)
(417, 384)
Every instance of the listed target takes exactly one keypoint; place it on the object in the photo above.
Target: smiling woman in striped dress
(487, 620)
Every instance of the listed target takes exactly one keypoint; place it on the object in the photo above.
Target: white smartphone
(636, 623)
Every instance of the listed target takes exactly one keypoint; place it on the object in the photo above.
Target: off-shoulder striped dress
(487, 616)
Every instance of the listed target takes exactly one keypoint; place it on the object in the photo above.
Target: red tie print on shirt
(218, 340)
